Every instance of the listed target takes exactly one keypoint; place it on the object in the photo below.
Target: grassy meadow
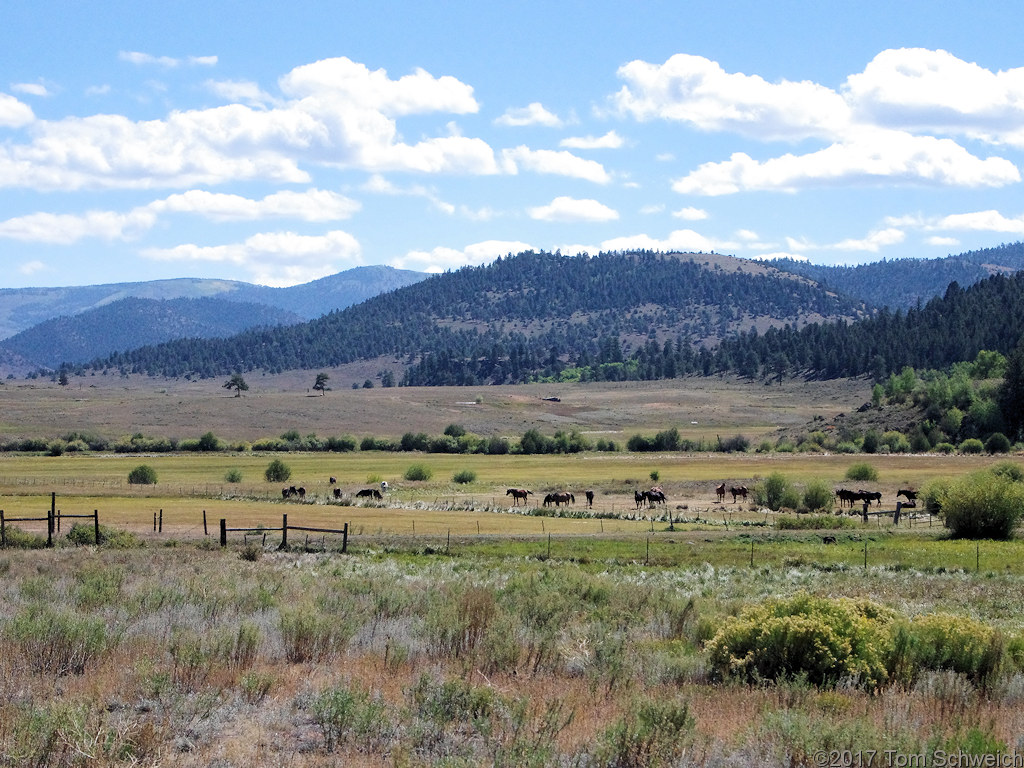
(458, 630)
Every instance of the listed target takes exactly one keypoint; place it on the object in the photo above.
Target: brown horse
(590, 498)
(738, 490)
(911, 495)
(720, 490)
(517, 494)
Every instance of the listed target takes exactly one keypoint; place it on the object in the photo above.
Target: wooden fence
(52, 520)
(224, 531)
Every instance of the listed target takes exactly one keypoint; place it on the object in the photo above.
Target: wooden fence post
(344, 540)
(49, 529)
(3, 530)
(161, 529)
(205, 532)
(284, 531)
(96, 525)
(223, 532)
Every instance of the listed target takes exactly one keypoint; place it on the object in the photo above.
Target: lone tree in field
(237, 383)
(321, 383)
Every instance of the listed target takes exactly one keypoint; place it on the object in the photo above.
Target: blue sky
(277, 144)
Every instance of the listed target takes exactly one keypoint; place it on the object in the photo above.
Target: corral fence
(52, 520)
(261, 530)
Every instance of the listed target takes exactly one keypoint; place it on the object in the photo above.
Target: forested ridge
(613, 317)
(520, 314)
(130, 322)
(903, 283)
(988, 315)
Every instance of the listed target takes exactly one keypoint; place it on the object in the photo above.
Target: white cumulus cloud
(552, 162)
(32, 267)
(690, 214)
(533, 114)
(147, 59)
(65, 229)
(274, 258)
(984, 221)
(680, 240)
(568, 209)
(441, 259)
(925, 90)
(610, 140)
(694, 90)
(873, 157)
(13, 113)
(31, 89)
(313, 205)
(354, 85)
(336, 113)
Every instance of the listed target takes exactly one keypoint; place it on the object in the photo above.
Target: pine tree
(1011, 392)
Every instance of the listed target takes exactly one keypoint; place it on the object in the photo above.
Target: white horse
(384, 486)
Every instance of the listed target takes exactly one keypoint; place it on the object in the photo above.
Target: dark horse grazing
(738, 491)
(870, 496)
(720, 490)
(911, 495)
(517, 494)
(371, 493)
(655, 496)
(590, 498)
(558, 499)
(847, 497)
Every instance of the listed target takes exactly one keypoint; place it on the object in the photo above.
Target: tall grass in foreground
(196, 657)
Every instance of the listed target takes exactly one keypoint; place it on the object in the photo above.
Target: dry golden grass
(112, 407)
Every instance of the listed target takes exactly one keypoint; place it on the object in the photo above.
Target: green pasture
(191, 483)
(899, 551)
(193, 473)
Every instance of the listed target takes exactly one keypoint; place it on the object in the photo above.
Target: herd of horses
(558, 499)
(650, 498)
(737, 491)
(849, 498)
(299, 493)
